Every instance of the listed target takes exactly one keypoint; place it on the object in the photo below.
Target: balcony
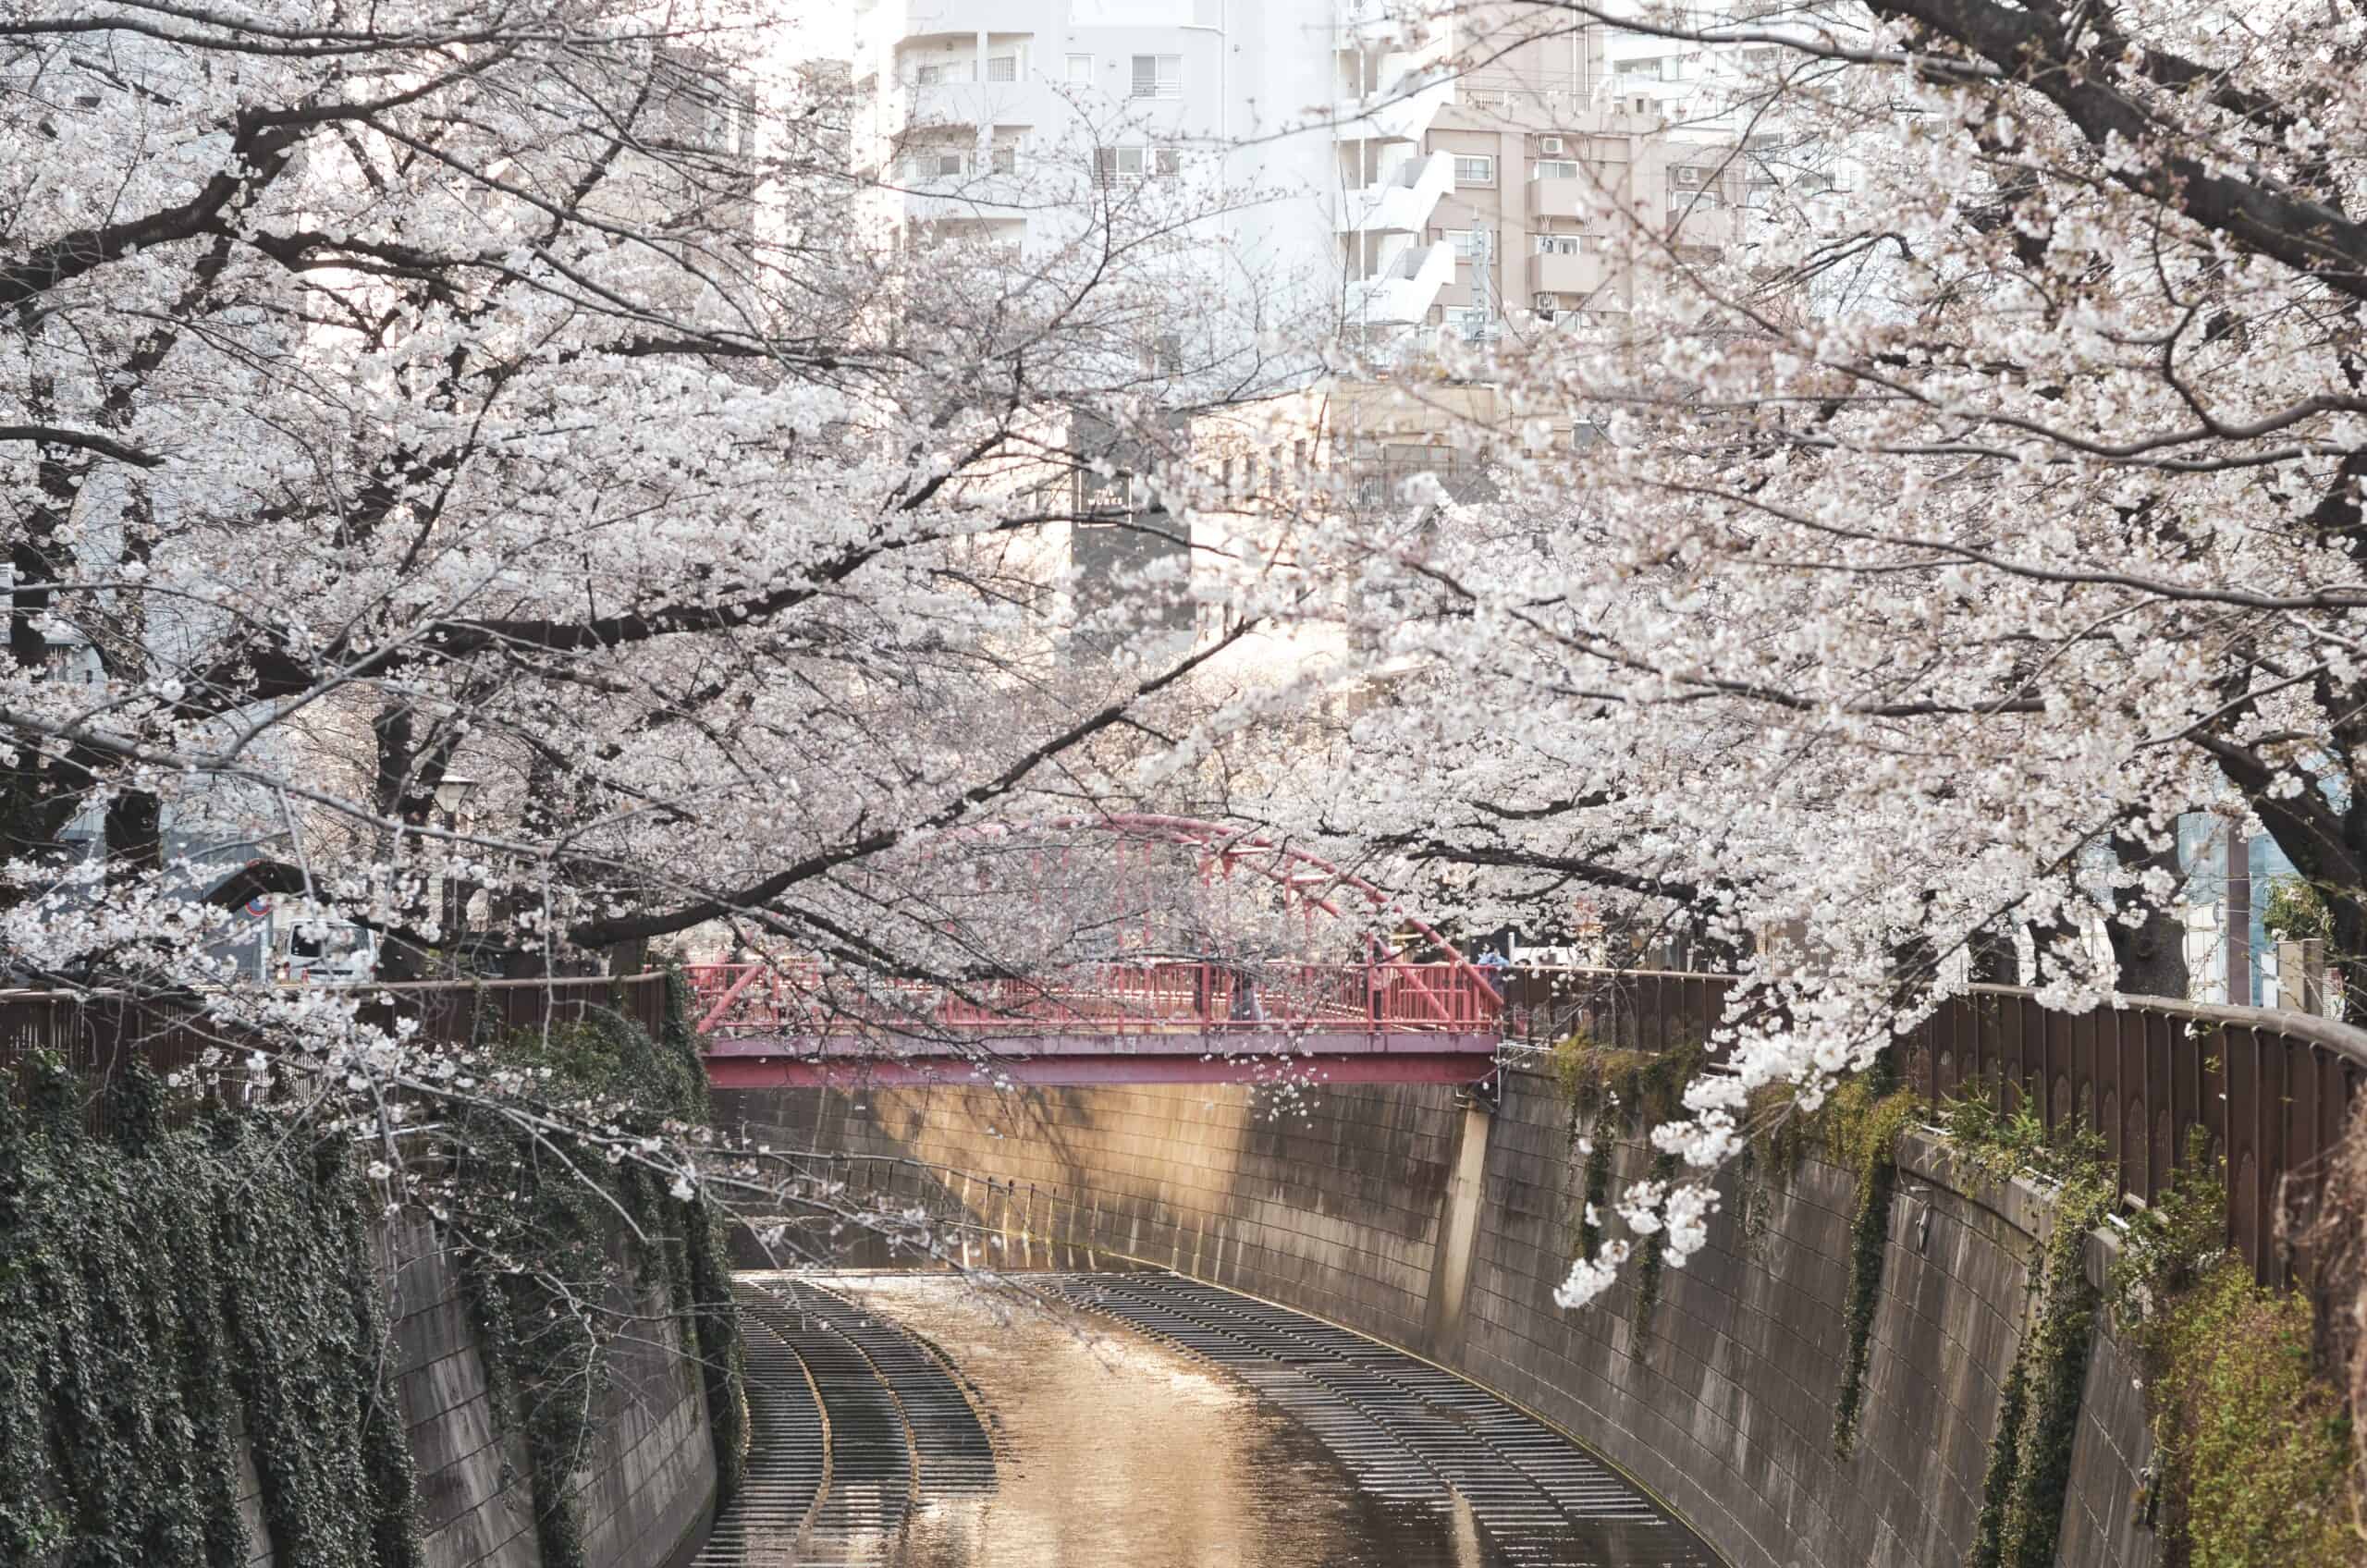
(1365, 22)
(903, 21)
(1703, 223)
(1402, 293)
(1576, 273)
(1560, 197)
(1402, 202)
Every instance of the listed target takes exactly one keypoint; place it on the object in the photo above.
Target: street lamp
(452, 793)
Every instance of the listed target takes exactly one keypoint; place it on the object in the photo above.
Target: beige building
(1558, 166)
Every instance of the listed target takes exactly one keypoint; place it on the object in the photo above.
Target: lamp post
(452, 792)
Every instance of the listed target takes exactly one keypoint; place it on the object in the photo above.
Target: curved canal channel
(1139, 1420)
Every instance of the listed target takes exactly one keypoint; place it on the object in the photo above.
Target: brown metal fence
(1632, 1009)
(96, 1035)
(2271, 1091)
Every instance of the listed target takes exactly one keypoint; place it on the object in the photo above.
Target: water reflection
(1116, 1448)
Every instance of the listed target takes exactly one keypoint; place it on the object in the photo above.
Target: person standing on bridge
(1244, 995)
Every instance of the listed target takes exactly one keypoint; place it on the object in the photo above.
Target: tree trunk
(134, 835)
(1993, 959)
(2151, 954)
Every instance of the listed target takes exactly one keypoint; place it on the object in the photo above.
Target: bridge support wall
(1439, 1228)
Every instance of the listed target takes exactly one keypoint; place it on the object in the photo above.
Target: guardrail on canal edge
(2272, 1090)
(96, 1034)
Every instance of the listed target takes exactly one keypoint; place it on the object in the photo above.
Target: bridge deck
(1382, 1023)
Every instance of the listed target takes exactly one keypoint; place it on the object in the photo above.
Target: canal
(1139, 1420)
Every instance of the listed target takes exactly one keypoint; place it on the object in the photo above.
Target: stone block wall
(1722, 1404)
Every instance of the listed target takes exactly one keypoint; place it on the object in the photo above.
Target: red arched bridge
(1386, 1019)
(1387, 1022)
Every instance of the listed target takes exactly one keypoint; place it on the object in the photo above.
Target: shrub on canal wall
(2252, 1445)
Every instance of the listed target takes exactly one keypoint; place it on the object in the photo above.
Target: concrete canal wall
(648, 1486)
(1442, 1228)
(645, 1491)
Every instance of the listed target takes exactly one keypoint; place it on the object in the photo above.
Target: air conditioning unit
(1688, 177)
(1551, 145)
(1545, 304)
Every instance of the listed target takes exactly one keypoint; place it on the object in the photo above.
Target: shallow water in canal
(1116, 1446)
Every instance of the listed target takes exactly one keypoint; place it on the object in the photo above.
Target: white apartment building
(1013, 120)
(1387, 178)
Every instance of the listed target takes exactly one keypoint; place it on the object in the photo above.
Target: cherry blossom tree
(1873, 577)
(521, 395)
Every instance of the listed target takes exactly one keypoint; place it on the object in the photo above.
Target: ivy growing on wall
(1611, 1091)
(165, 1289)
(2252, 1441)
(565, 1252)
(2030, 1458)
(1655, 1259)
(1860, 1127)
(159, 1291)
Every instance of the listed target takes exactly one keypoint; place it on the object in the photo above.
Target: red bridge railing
(743, 1002)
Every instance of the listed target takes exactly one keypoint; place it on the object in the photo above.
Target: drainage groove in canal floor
(1406, 1431)
(893, 1430)
(763, 1521)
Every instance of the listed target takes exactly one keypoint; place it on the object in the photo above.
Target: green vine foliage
(552, 1278)
(2251, 1442)
(159, 1291)
(2295, 911)
(1858, 1127)
(1655, 1259)
(166, 1291)
(1597, 1195)
(2029, 1456)
(1612, 1091)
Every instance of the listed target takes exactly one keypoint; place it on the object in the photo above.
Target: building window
(1167, 353)
(1473, 324)
(1468, 245)
(1002, 67)
(944, 72)
(1159, 76)
(1006, 155)
(936, 162)
(1558, 244)
(1112, 164)
(1080, 68)
(1474, 170)
(1554, 168)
